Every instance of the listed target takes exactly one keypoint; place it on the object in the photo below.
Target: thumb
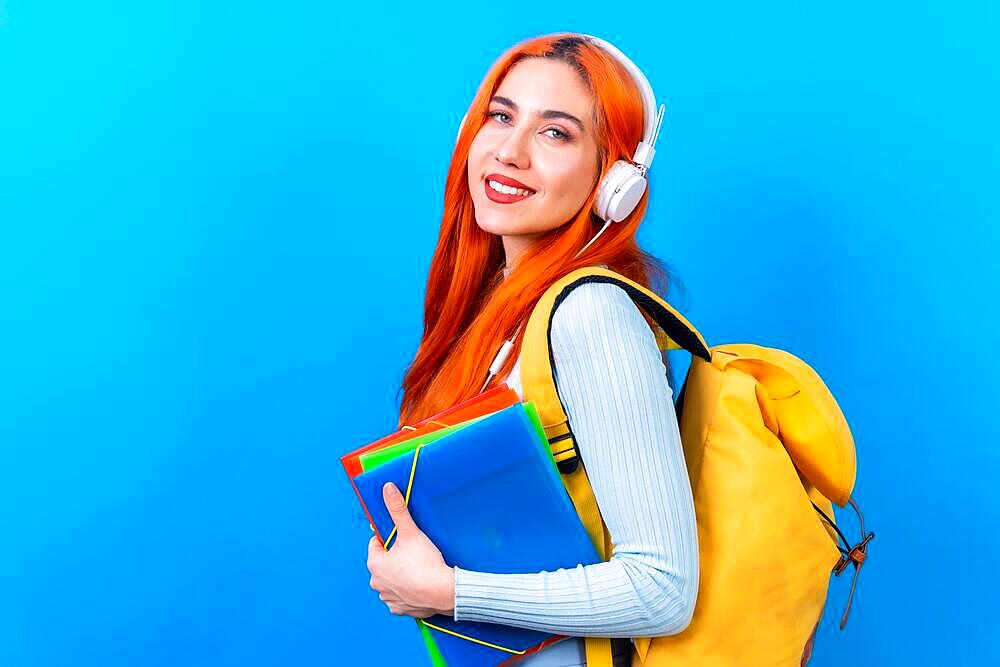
(375, 549)
(397, 510)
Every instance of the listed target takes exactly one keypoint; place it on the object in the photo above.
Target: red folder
(495, 399)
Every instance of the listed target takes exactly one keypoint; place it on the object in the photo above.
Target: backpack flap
(799, 408)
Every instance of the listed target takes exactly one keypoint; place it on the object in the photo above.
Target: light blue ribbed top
(613, 385)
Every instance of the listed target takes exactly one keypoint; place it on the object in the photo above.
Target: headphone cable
(508, 345)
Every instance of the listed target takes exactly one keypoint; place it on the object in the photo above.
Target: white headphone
(625, 182)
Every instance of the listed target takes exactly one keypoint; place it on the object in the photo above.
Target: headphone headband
(651, 119)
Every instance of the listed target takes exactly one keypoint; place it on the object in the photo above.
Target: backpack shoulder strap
(672, 330)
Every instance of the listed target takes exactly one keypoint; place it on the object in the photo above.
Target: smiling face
(539, 138)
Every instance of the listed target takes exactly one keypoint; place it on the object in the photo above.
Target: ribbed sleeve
(613, 384)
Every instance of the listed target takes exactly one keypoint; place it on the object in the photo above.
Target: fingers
(375, 547)
(399, 608)
(386, 593)
(375, 553)
(396, 505)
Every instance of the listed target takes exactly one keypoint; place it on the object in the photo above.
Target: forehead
(537, 84)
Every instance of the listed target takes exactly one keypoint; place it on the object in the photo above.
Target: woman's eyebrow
(548, 113)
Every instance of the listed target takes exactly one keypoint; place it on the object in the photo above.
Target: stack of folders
(484, 488)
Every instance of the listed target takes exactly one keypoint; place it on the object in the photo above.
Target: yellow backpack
(768, 451)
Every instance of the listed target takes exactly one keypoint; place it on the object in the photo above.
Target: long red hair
(469, 309)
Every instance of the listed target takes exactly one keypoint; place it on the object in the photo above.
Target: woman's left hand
(411, 577)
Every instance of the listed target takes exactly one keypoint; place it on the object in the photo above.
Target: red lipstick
(500, 197)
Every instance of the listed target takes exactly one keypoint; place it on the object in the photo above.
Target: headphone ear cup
(619, 192)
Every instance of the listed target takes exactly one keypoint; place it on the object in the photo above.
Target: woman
(550, 118)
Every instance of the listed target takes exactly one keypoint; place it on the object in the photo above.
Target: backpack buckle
(568, 466)
(567, 458)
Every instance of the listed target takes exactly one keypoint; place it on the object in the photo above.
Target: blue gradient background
(215, 226)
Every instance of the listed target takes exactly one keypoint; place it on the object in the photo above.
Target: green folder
(373, 460)
(437, 660)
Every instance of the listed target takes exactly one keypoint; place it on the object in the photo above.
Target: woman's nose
(515, 149)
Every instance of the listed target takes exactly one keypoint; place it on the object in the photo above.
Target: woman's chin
(499, 224)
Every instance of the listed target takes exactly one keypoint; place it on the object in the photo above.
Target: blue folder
(491, 500)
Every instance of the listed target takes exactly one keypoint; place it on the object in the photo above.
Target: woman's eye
(560, 135)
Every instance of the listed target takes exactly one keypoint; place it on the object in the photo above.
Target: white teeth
(507, 190)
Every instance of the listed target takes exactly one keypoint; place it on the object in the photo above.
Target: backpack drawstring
(851, 555)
